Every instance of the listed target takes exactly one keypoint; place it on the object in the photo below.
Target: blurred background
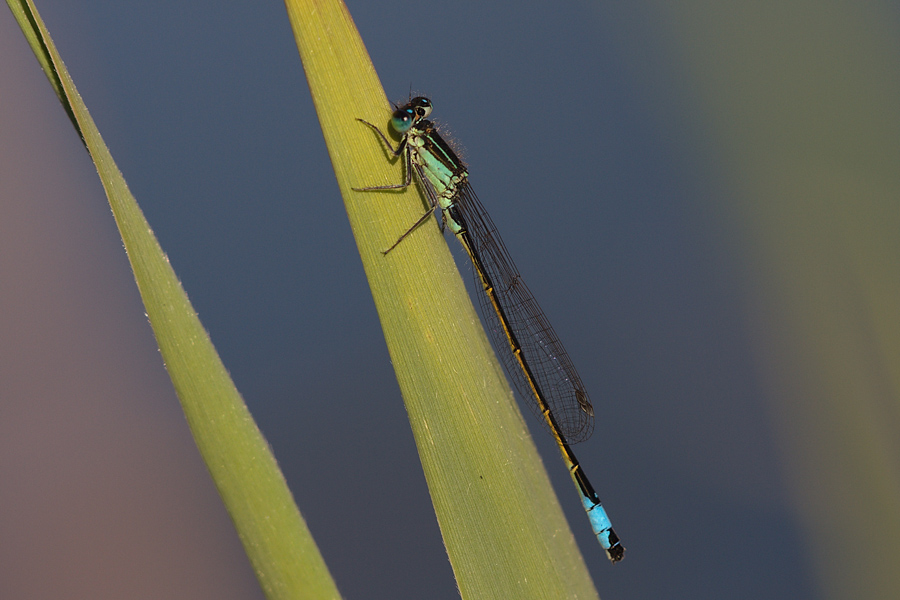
(703, 197)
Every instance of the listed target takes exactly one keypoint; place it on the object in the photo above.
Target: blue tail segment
(602, 527)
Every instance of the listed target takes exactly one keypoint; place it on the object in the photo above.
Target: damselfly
(531, 352)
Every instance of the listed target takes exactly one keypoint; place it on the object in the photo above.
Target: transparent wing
(550, 367)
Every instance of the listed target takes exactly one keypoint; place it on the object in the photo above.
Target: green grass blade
(501, 523)
(274, 535)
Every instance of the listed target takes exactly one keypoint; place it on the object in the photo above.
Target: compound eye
(403, 119)
(422, 106)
